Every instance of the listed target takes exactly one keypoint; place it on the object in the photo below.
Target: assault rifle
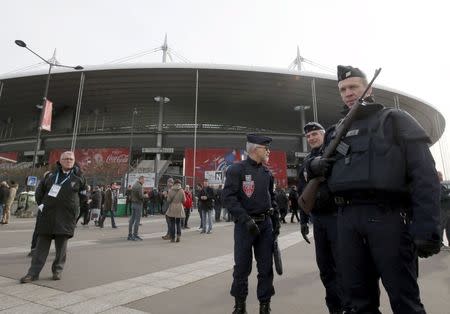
(308, 198)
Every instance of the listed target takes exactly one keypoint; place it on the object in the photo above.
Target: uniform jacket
(248, 189)
(59, 214)
(175, 198)
(420, 174)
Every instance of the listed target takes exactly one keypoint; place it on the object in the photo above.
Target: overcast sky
(408, 39)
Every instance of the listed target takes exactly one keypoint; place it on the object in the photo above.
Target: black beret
(344, 72)
(312, 126)
(258, 139)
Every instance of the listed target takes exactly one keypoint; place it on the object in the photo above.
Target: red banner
(219, 159)
(9, 155)
(46, 123)
(91, 159)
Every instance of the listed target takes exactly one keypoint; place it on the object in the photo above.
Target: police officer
(248, 195)
(325, 225)
(387, 190)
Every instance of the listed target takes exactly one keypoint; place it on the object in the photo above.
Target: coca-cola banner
(9, 155)
(97, 159)
(219, 159)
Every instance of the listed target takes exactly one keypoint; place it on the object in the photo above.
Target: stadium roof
(230, 98)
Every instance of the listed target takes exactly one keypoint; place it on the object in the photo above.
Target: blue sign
(31, 181)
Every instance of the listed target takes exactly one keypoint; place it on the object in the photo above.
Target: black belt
(371, 197)
(259, 217)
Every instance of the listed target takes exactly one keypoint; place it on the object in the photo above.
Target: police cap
(258, 139)
(312, 126)
(344, 72)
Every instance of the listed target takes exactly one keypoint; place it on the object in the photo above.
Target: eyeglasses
(68, 159)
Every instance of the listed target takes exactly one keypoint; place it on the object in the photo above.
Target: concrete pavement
(105, 273)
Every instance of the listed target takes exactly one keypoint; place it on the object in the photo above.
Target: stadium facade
(157, 106)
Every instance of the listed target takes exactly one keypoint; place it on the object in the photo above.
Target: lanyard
(57, 177)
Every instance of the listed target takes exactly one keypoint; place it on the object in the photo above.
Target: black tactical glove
(276, 225)
(427, 248)
(250, 224)
(319, 167)
(304, 229)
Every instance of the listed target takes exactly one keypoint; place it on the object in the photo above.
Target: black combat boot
(239, 306)
(264, 307)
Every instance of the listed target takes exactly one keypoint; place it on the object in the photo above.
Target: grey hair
(249, 147)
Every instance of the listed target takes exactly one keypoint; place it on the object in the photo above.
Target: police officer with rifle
(249, 196)
(325, 225)
(385, 185)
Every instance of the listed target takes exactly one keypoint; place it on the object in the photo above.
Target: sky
(408, 39)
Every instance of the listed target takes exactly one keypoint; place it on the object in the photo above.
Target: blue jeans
(174, 223)
(135, 219)
(207, 220)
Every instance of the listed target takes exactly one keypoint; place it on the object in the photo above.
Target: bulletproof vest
(369, 157)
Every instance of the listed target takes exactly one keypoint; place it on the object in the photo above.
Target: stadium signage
(161, 150)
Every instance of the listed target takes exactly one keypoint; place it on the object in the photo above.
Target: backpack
(188, 202)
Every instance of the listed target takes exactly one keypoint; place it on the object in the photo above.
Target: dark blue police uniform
(248, 195)
(386, 187)
(324, 218)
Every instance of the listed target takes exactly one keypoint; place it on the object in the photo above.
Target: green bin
(121, 207)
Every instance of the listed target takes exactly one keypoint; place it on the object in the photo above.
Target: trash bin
(121, 207)
(26, 205)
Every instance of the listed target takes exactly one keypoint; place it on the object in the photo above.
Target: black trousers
(326, 242)
(187, 212)
(35, 235)
(41, 253)
(295, 213)
(374, 239)
(85, 214)
(263, 248)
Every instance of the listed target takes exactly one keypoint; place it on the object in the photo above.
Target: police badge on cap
(258, 139)
(344, 72)
(312, 126)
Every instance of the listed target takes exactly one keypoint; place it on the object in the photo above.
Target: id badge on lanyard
(56, 187)
(54, 190)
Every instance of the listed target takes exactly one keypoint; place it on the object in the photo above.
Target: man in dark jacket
(282, 202)
(96, 204)
(137, 200)
(293, 197)
(205, 204)
(59, 202)
(109, 205)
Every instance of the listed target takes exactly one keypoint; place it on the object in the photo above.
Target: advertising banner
(46, 123)
(9, 155)
(113, 160)
(210, 161)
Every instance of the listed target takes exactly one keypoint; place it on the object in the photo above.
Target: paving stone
(87, 307)
(123, 310)
(62, 300)
(7, 301)
(27, 308)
